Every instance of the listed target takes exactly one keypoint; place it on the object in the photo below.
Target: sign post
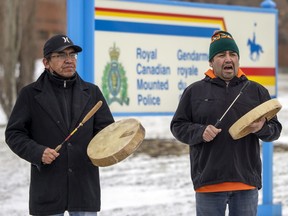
(267, 207)
(80, 27)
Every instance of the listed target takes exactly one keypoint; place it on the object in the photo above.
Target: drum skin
(115, 142)
(267, 110)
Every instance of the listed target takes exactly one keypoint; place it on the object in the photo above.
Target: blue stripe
(149, 28)
(123, 114)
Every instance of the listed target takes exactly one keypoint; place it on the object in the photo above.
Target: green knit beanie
(222, 41)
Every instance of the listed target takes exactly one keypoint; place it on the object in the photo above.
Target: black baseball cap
(58, 43)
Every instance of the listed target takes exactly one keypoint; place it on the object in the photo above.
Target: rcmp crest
(114, 81)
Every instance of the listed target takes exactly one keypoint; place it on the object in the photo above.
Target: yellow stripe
(264, 80)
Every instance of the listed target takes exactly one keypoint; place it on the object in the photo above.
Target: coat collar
(210, 73)
(210, 77)
(46, 99)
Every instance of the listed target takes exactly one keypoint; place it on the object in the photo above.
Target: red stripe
(259, 71)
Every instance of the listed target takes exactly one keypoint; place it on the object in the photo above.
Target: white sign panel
(147, 54)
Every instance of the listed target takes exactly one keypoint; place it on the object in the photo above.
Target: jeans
(239, 203)
(77, 214)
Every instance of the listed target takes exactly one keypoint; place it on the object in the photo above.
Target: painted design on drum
(114, 80)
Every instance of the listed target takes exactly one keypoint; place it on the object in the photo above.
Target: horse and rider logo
(114, 81)
(255, 49)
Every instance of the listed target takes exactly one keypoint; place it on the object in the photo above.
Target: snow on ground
(141, 185)
(138, 186)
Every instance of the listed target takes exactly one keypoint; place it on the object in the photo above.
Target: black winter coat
(71, 182)
(223, 159)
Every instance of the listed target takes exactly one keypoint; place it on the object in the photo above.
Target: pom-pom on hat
(58, 43)
(222, 41)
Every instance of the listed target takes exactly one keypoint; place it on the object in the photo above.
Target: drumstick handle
(92, 111)
(241, 91)
(217, 123)
(85, 119)
(67, 138)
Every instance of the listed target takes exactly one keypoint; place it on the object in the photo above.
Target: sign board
(147, 53)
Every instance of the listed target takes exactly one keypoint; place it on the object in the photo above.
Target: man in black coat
(45, 113)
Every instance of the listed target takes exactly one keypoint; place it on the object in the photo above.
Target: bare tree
(15, 39)
(11, 46)
(27, 55)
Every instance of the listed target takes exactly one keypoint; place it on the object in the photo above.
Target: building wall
(51, 19)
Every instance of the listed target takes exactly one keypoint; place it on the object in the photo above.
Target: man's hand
(256, 125)
(49, 155)
(210, 133)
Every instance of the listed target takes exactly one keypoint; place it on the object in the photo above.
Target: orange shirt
(226, 186)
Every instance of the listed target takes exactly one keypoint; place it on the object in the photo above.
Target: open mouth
(228, 67)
